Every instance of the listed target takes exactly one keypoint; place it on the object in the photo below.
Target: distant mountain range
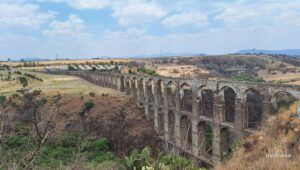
(294, 52)
(167, 54)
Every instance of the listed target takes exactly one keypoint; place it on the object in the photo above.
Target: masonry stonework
(183, 110)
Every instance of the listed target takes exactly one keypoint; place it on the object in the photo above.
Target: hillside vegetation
(63, 122)
(276, 146)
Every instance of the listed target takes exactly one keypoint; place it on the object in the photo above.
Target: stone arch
(150, 90)
(186, 97)
(171, 94)
(282, 99)
(229, 98)
(160, 92)
(254, 108)
(160, 116)
(185, 132)
(205, 139)
(171, 126)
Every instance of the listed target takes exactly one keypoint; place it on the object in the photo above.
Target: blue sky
(121, 28)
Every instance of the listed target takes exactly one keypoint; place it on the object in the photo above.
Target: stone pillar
(217, 119)
(155, 96)
(166, 105)
(177, 98)
(267, 109)
(217, 155)
(218, 109)
(239, 122)
(195, 136)
(177, 129)
(138, 91)
(166, 124)
(146, 92)
(146, 111)
(156, 126)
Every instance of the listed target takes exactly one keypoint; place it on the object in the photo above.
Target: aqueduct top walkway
(199, 118)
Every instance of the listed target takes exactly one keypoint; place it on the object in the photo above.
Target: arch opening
(225, 142)
(254, 108)
(186, 98)
(160, 92)
(150, 87)
(186, 132)
(207, 97)
(141, 89)
(122, 84)
(134, 88)
(229, 104)
(127, 86)
(150, 113)
(205, 139)
(171, 126)
(161, 122)
(282, 100)
(171, 94)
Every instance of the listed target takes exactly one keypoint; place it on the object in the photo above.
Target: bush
(244, 77)
(71, 139)
(88, 105)
(98, 145)
(23, 81)
(92, 94)
(2, 99)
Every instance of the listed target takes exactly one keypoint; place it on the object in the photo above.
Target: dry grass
(177, 70)
(280, 136)
(53, 84)
(289, 78)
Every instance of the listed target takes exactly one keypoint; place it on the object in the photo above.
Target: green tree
(23, 81)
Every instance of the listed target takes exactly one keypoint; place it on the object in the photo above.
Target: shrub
(23, 81)
(92, 94)
(244, 77)
(88, 105)
(72, 139)
(2, 99)
(98, 145)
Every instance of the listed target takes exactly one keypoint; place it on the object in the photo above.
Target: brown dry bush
(280, 136)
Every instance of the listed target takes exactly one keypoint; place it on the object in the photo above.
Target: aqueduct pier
(201, 119)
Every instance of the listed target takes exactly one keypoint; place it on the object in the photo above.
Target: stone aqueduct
(184, 110)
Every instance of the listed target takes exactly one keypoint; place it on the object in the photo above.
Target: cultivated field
(53, 84)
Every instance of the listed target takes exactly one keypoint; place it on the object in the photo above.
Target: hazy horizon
(95, 28)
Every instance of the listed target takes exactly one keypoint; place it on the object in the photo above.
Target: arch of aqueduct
(183, 110)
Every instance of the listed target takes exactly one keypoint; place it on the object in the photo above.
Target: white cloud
(269, 13)
(130, 33)
(22, 14)
(197, 19)
(84, 4)
(127, 12)
(134, 13)
(72, 27)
